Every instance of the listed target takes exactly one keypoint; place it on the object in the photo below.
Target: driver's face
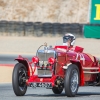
(68, 43)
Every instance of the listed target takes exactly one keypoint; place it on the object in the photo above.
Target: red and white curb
(6, 65)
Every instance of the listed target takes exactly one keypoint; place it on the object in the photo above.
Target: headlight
(51, 60)
(35, 59)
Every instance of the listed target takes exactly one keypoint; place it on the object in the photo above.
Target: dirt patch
(6, 74)
(63, 11)
(2, 3)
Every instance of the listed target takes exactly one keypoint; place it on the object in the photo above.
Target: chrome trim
(44, 75)
(87, 72)
(44, 55)
(90, 68)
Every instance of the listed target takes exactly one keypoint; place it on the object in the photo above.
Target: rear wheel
(59, 85)
(57, 90)
(71, 80)
(19, 79)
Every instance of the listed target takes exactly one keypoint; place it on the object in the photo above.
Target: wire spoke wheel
(22, 77)
(72, 79)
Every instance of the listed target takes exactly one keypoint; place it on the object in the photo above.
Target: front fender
(26, 63)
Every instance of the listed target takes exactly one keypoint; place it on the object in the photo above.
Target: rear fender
(80, 70)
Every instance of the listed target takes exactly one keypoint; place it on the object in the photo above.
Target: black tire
(70, 72)
(19, 85)
(57, 90)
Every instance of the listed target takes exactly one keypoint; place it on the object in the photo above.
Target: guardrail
(38, 29)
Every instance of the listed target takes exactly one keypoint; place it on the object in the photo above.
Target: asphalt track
(84, 93)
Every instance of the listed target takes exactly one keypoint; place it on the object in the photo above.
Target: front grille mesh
(45, 56)
(43, 60)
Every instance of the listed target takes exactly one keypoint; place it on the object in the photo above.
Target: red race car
(56, 68)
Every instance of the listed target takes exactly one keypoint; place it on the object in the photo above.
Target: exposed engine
(59, 82)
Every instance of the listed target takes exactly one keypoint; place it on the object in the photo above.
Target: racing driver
(69, 40)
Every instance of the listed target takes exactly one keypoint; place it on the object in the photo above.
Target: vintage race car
(56, 68)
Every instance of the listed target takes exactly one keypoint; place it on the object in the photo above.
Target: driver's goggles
(66, 40)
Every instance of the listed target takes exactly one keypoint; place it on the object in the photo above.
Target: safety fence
(38, 29)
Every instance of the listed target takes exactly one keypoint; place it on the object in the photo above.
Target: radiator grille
(44, 56)
(43, 60)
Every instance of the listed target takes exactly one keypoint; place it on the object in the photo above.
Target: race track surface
(29, 45)
(84, 93)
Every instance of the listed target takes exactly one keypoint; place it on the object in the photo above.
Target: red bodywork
(88, 65)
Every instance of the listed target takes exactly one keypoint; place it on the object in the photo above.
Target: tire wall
(39, 29)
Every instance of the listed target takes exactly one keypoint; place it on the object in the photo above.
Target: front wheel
(19, 77)
(71, 80)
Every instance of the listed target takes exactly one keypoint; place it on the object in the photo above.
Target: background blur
(50, 17)
(62, 11)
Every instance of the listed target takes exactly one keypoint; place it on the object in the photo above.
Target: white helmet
(67, 37)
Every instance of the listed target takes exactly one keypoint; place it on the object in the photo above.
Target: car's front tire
(72, 79)
(19, 79)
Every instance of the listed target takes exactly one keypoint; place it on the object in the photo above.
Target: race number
(81, 58)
